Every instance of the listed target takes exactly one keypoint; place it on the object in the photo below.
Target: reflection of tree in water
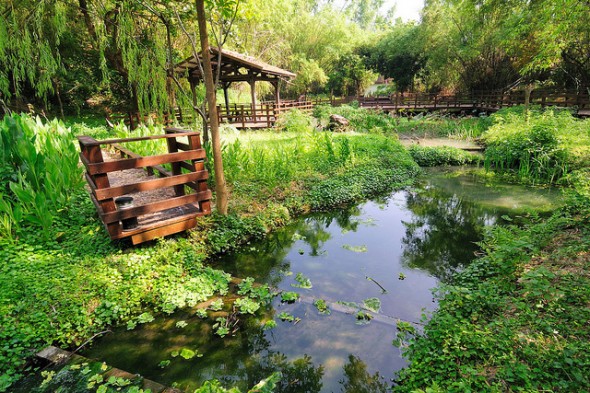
(266, 260)
(359, 380)
(442, 234)
(298, 375)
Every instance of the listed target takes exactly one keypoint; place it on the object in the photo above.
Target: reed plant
(538, 146)
(39, 172)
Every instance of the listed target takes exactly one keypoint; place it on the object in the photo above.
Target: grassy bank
(62, 280)
(517, 318)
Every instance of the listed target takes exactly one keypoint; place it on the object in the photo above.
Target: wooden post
(225, 96)
(176, 168)
(277, 87)
(253, 96)
(194, 143)
(93, 155)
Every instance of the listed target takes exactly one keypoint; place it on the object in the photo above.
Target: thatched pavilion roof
(235, 67)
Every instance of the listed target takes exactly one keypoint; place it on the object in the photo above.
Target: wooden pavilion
(236, 67)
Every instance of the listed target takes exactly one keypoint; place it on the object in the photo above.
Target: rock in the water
(338, 123)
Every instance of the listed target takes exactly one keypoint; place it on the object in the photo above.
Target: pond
(395, 249)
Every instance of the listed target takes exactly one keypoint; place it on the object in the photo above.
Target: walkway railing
(265, 114)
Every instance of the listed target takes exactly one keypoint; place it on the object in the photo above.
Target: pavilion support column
(253, 95)
(226, 96)
(193, 91)
(193, 85)
(277, 87)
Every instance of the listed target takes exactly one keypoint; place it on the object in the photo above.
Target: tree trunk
(220, 188)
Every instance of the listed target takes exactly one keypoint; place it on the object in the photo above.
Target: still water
(396, 249)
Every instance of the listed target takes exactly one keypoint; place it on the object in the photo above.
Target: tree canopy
(118, 53)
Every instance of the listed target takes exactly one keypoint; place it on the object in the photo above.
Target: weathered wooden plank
(88, 141)
(148, 185)
(162, 231)
(142, 162)
(110, 217)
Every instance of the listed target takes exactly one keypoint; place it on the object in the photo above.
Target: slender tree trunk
(220, 187)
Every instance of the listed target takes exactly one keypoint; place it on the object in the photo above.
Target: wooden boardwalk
(265, 115)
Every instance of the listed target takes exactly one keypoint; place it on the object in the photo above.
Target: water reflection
(442, 233)
(359, 380)
(423, 236)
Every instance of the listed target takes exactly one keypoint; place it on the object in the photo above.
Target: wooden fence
(265, 114)
(176, 198)
(484, 101)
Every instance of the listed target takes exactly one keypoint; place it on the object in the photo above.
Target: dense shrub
(295, 120)
(443, 155)
(539, 146)
(39, 172)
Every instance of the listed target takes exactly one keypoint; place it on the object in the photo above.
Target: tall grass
(429, 125)
(277, 166)
(537, 146)
(38, 172)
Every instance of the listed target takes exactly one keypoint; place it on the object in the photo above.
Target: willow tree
(30, 32)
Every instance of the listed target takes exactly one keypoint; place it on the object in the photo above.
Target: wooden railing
(477, 100)
(177, 211)
(263, 115)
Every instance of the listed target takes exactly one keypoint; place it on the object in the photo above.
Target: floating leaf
(362, 248)
(302, 282)
(372, 304)
(181, 324)
(164, 363)
(349, 304)
(146, 317)
(363, 318)
(322, 307)
(188, 354)
(285, 316)
(289, 297)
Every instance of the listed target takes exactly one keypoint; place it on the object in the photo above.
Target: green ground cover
(516, 320)
(62, 280)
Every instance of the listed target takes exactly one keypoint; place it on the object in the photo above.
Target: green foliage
(330, 169)
(246, 305)
(349, 247)
(515, 317)
(289, 297)
(285, 316)
(539, 146)
(398, 55)
(322, 307)
(372, 304)
(443, 155)
(38, 175)
(295, 120)
(69, 282)
(302, 282)
(350, 77)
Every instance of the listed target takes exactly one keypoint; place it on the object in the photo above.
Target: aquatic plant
(302, 282)
(289, 297)
(443, 155)
(322, 306)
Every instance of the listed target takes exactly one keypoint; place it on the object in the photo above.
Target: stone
(338, 123)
